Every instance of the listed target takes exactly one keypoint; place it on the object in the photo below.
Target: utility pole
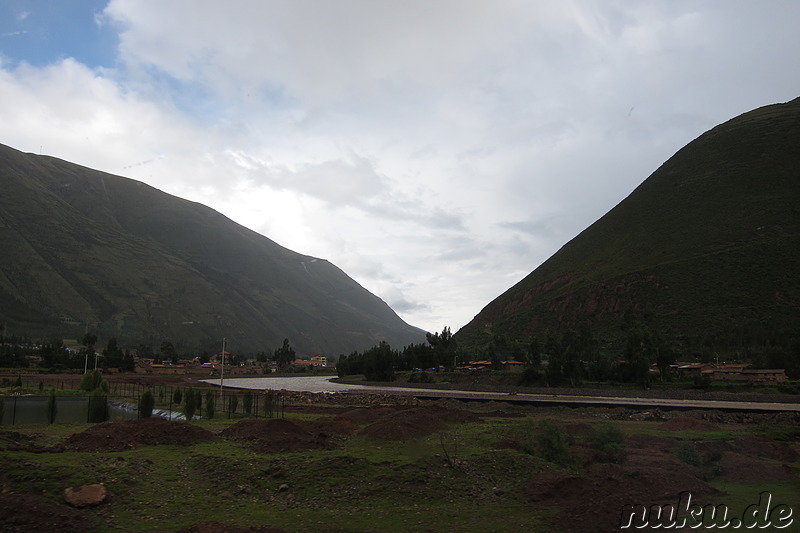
(222, 370)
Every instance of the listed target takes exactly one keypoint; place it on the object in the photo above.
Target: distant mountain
(84, 249)
(707, 250)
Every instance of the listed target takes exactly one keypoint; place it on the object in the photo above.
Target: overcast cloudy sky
(435, 150)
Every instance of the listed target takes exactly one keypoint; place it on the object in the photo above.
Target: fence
(123, 400)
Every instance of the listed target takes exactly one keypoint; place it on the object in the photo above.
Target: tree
(168, 352)
(98, 406)
(379, 363)
(146, 404)
(91, 381)
(233, 403)
(113, 355)
(534, 355)
(209, 407)
(52, 408)
(189, 405)
(639, 352)
(444, 348)
(247, 401)
(88, 343)
(284, 355)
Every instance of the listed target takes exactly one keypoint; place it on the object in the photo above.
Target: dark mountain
(84, 249)
(706, 250)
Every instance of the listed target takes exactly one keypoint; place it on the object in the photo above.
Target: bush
(702, 382)
(2, 409)
(247, 402)
(553, 442)
(687, 452)
(51, 407)
(269, 404)
(98, 407)
(209, 407)
(189, 405)
(177, 396)
(609, 441)
(530, 376)
(420, 377)
(233, 403)
(90, 381)
(146, 404)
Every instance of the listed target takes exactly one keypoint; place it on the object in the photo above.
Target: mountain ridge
(130, 260)
(705, 246)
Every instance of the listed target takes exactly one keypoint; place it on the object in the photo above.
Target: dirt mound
(643, 479)
(368, 415)
(219, 527)
(415, 422)
(127, 434)
(23, 514)
(766, 448)
(13, 440)
(684, 423)
(642, 441)
(578, 429)
(745, 469)
(331, 426)
(286, 435)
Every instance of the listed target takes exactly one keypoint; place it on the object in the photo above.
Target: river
(300, 384)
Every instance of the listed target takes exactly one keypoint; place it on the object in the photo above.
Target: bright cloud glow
(436, 151)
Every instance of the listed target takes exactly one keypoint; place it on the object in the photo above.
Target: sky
(437, 151)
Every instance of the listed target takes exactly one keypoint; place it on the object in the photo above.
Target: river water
(300, 383)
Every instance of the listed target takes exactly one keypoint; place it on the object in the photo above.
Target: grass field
(483, 471)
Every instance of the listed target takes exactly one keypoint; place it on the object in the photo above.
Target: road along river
(324, 384)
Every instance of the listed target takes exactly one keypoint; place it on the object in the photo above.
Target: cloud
(435, 151)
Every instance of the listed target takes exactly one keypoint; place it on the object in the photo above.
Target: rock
(283, 488)
(85, 495)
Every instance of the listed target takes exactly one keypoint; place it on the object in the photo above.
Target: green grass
(456, 479)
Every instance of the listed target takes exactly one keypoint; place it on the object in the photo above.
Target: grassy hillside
(84, 249)
(707, 249)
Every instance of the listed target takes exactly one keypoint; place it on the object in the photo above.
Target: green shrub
(51, 406)
(269, 404)
(177, 396)
(98, 407)
(553, 442)
(209, 406)
(233, 403)
(609, 441)
(146, 404)
(92, 381)
(247, 402)
(189, 405)
(420, 377)
(687, 452)
(530, 376)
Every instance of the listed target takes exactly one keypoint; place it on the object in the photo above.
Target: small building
(770, 375)
(513, 366)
